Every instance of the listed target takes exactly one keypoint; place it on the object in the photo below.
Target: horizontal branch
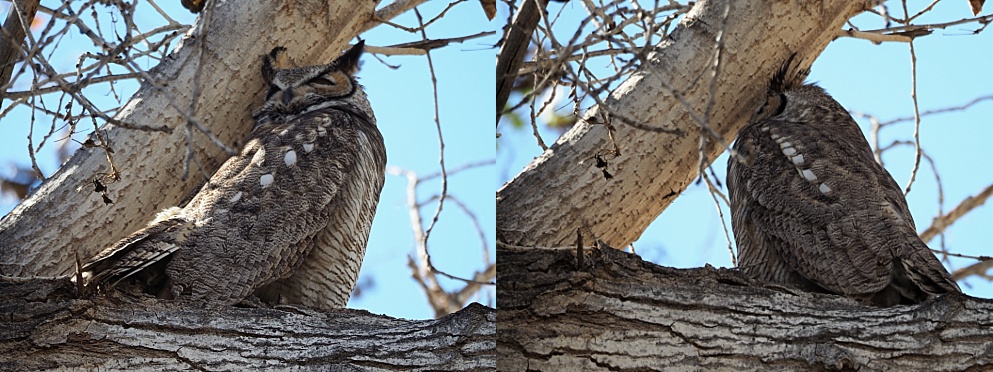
(44, 327)
(618, 312)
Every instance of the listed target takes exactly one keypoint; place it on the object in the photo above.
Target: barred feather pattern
(811, 208)
(288, 218)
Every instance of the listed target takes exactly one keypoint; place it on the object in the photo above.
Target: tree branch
(64, 216)
(653, 168)
(45, 327)
(15, 28)
(618, 312)
(516, 40)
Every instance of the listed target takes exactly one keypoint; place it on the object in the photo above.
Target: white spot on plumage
(775, 136)
(290, 158)
(308, 147)
(789, 151)
(259, 157)
(266, 180)
(765, 129)
(321, 131)
(824, 189)
(808, 175)
(284, 132)
(785, 144)
(236, 197)
(797, 160)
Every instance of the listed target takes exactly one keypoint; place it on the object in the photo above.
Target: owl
(285, 220)
(811, 208)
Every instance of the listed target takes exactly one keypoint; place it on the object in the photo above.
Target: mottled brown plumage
(288, 218)
(810, 206)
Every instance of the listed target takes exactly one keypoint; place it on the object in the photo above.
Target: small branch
(431, 44)
(940, 223)
(977, 269)
(916, 30)
(422, 25)
(15, 29)
(515, 46)
(874, 37)
(77, 85)
(917, 112)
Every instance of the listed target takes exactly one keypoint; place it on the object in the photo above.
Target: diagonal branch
(515, 45)
(15, 28)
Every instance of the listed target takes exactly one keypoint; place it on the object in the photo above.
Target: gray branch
(45, 327)
(618, 312)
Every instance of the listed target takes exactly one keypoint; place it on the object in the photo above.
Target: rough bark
(64, 217)
(42, 324)
(12, 36)
(516, 39)
(618, 312)
(43, 327)
(655, 166)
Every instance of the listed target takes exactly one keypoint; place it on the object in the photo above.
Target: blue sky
(952, 69)
(403, 103)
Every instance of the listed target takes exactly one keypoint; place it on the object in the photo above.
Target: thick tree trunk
(617, 312)
(562, 190)
(43, 235)
(42, 327)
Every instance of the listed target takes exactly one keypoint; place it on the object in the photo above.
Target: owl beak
(287, 96)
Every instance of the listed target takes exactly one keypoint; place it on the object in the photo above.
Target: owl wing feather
(137, 251)
(823, 204)
(264, 210)
(259, 211)
(327, 275)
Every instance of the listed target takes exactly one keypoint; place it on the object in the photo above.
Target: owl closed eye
(293, 89)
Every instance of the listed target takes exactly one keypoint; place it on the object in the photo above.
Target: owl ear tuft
(276, 59)
(349, 62)
(789, 76)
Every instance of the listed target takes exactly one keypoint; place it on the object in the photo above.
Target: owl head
(790, 99)
(296, 90)
(788, 81)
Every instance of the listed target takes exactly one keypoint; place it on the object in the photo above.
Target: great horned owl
(810, 207)
(287, 218)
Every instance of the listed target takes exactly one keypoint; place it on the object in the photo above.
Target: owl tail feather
(144, 248)
(927, 273)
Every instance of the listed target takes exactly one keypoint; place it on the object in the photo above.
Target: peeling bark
(619, 312)
(44, 327)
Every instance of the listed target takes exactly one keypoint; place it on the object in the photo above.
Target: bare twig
(942, 222)
(917, 112)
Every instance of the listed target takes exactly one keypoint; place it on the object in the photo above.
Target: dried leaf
(194, 6)
(977, 6)
(98, 186)
(17, 188)
(489, 7)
